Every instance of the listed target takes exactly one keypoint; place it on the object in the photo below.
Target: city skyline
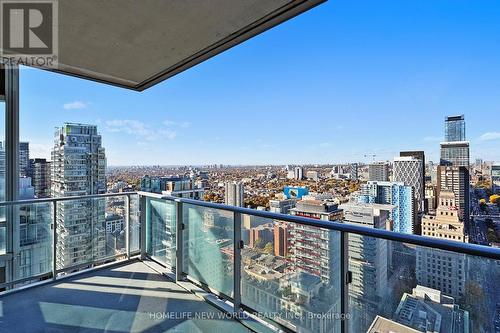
(337, 173)
(251, 103)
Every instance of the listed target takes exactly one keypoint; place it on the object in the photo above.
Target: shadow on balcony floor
(127, 298)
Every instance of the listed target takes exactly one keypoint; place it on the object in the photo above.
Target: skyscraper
(40, 177)
(420, 155)
(234, 195)
(453, 172)
(79, 168)
(354, 171)
(397, 194)
(315, 250)
(378, 172)
(495, 176)
(455, 150)
(455, 153)
(454, 128)
(368, 262)
(410, 171)
(299, 173)
(24, 159)
(456, 180)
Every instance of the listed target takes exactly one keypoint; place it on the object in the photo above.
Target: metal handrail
(59, 199)
(447, 245)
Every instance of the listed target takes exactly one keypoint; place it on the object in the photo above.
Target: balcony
(125, 297)
(140, 262)
(174, 264)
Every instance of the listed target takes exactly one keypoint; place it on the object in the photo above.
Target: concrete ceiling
(138, 43)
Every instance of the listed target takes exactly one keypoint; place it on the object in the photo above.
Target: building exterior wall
(79, 168)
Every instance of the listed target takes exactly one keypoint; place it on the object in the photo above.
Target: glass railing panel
(161, 229)
(109, 230)
(2, 240)
(135, 224)
(33, 250)
(89, 231)
(208, 247)
(75, 234)
(291, 274)
(398, 284)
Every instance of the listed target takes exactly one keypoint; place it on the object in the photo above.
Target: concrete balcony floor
(131, 297)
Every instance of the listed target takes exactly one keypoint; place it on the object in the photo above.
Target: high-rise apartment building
(378, 172)
(315, 251)
(33, 252)
(410, 171)
(40, 177)
(235, 194)
(354, 171)
(24, 159)
(399, 195)
(456, 180)
(454, 128)
(175, 186)
(299, 173)
(79, 168)
(368, 262)
(281, 239)
(420, 155)
(495, 176)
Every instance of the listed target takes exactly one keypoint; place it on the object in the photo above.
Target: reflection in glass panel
(161, 217)
(2, 188)
(34, 254)
(291, 274)
(2, 240)
(90, 230)
(419, 287)
(135, 224)
(209, 242)
(114, 226)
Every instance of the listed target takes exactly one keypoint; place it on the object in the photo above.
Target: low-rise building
(425, 310)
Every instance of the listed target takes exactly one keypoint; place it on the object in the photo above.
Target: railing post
(345, 279)
(54, 240)
(179, 241)
(238, 245)
(143, 225)
(127, 225)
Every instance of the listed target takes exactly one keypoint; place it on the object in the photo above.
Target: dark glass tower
(454, 128)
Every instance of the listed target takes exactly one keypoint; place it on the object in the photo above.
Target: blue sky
(344, 80)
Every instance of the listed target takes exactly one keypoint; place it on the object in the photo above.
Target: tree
(258, 243)
(269, 248)
(474, 302)
(495, 199)
(482, 204)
